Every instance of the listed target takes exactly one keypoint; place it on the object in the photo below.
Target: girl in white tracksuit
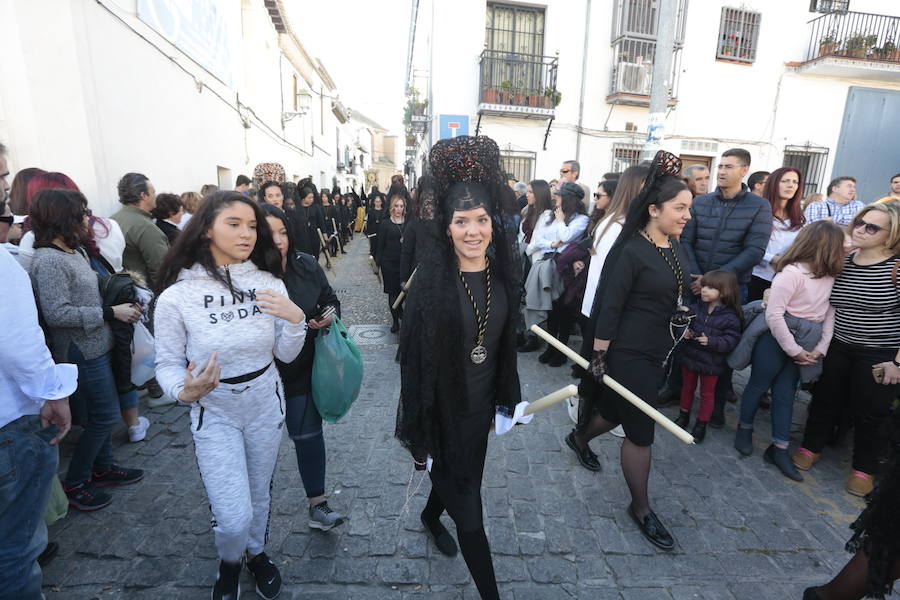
(225, 314)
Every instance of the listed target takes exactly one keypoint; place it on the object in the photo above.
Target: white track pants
(237, 432)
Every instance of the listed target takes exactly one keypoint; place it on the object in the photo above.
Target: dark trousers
(97, 393)
(847, 385)
(559, 322)
(27, 467)
(304, 425)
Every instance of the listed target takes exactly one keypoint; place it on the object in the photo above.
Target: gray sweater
(68, 295)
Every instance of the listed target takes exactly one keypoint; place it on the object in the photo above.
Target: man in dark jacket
(729, 230)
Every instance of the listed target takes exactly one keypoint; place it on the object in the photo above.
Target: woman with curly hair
(458, 346)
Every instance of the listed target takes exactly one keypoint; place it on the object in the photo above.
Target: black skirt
(637, 373)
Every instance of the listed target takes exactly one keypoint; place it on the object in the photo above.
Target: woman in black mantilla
(458, 346)
(390, 244)
(637, 319)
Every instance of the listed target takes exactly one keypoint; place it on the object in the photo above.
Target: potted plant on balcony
(829, 44)
(505, 91)
(491, 95)
(552, 97)
(858, 44)
(891, 52)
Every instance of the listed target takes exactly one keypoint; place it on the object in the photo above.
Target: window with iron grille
(811, 162)
(514, 42)
(738, 34)
(518, 163)
(625, 155)
(514, 29)
(829, 6)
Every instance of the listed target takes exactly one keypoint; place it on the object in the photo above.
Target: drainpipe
(584, 63)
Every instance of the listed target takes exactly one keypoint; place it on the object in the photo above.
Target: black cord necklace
(479, 353)
(676, 268)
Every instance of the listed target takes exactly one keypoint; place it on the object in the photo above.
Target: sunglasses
(564, 171)
(598, 195)
(871, 228)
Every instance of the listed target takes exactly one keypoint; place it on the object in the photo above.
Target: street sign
(452, 126)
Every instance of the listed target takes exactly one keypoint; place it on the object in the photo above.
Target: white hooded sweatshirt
(198, 315)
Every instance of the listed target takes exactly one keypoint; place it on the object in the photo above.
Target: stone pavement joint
(556, 530)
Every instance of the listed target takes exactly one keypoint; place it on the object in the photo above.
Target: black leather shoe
(653, 530)
(395, 327)
(684, 416)
(532, 343)
(743, 441)
(811, 594)
(586, 457)
(699, 431)
(718, 417)
(558, 359)
(667, 398)
(441, 537)
(781, 459)
(546, 355)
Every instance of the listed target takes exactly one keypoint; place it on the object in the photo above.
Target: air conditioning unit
(632, 78)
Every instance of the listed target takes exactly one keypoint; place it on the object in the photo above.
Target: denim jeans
(97, 391)
(27, 466)
(304, 425)
(771, 368)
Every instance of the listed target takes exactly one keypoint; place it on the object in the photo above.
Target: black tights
(852, 582)
(635, 462)
(473, 544)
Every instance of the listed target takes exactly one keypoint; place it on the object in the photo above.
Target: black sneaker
(153, 389)
(228, 581)
(268, 579)
(85, 496)
(116, 475)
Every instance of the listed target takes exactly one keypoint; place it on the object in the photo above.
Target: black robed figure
(458, 345)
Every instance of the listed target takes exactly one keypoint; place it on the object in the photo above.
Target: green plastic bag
(58, 505)
(337, 372)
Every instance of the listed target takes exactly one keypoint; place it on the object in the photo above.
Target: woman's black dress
(306, 221)
(390, 246)
(638, 303)
(373, 226)
(460, 488)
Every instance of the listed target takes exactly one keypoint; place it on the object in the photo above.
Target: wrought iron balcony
(518, 85)
(853, 44)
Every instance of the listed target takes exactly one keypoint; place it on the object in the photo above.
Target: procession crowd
(671, 284)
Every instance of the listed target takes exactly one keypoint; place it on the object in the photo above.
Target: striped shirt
(867, 305)
(841, 214)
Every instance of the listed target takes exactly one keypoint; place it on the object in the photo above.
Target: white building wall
(762, 107)
(89, 90)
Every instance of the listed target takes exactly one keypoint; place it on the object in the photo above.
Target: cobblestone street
(557, 531)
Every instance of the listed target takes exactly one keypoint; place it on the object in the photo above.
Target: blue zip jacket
(729, 234)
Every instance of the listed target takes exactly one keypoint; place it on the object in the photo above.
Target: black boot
(684, 416)
(780, 458)
(547, 354)
(699, 431)
(532, 343)
(557, 359)
(743, 441)
(520, 339)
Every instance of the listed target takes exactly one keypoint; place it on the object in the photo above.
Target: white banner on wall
(199, 28)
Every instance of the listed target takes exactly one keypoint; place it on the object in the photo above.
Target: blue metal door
(869, 146)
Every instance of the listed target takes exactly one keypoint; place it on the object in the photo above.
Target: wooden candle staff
(402, 294)
(551, 399)
(617, 387)
(325, 249)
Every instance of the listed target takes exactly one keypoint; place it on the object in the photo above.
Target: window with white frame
(625, 155)
(738, 34)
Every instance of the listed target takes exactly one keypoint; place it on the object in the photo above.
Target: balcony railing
(632, 72)
(855, 35)
(518, 84)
